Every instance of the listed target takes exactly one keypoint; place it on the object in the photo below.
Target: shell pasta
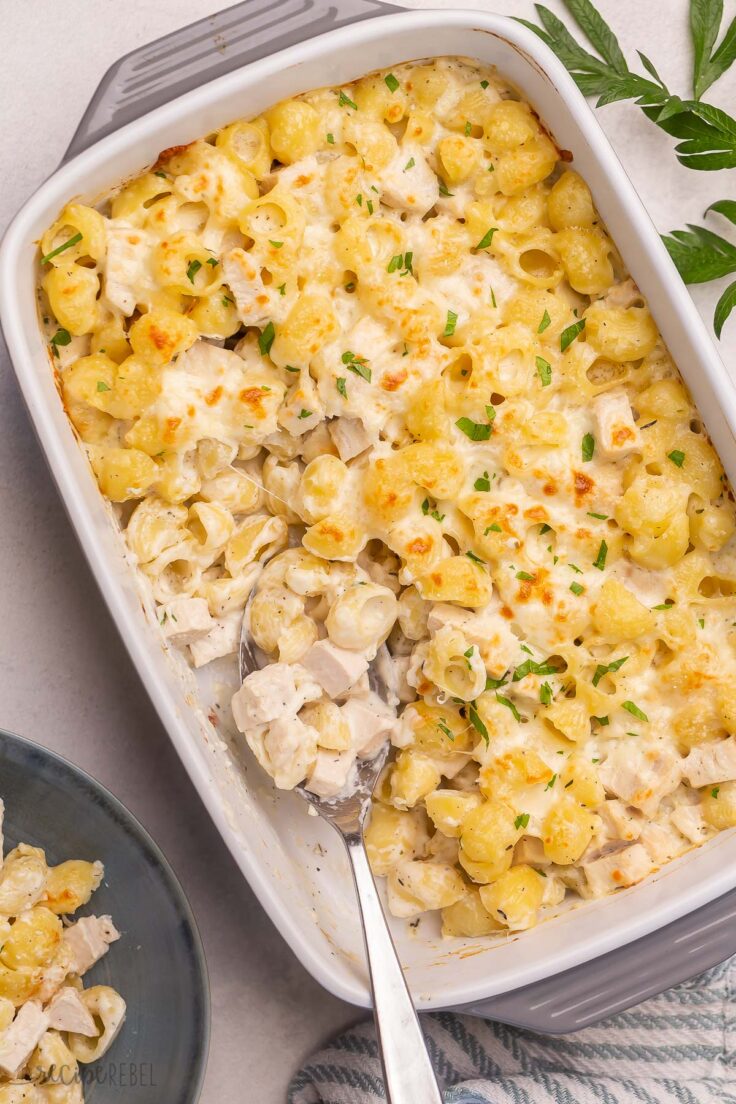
(373, 361)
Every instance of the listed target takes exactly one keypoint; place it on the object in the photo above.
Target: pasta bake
(371, 362)
(49, 1022)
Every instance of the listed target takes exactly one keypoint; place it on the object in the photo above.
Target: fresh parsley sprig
(708, 134)
(701, 255)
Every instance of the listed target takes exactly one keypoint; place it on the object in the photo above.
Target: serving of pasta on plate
(371, 363)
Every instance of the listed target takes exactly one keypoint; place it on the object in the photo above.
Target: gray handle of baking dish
(613, 982)
(162, 70)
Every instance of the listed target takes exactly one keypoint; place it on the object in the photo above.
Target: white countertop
(65, 679)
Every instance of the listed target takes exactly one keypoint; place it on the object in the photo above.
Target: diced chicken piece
(530, 851)
(278, 690)
(617, 866)
(67, 1012)
(222, 639)
(126, 271)
(349, 436)
(625, 294)
(335, 669)
(573, 877)
(18, 1041)
(302, 409)
(256, 303)
(709, 764)
(641, 776)
(331, 772)
(54, 976)
(408, 183)
(620, 821)
(616, 432)
(286, 749)
(689, 820)
(185, 620)
(88, 941)
(661, 841)
(554, 890)
(370, 722)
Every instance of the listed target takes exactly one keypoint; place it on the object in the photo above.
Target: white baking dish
(290, 859)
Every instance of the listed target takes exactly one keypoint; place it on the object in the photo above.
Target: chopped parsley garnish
(345, 101)
(576, 588)
(450, 324)
(531, 667)
(290, 368)
(569, 334)
(331, 139)
(588, 447)
(551, 782)
(265, 339)
(525, 576)
(161, 174)
(546, 321)
(102, 386)
(600, 560)
(61, 248)
(369, 205)
(545, 694)
(522, 820)
(444, 191)
(494, 528)
(409, 164)
(544, 369)
(601, 721)
(304, 414)
(484, 84)
(701, 622)
(487, 238)
(477, 431)
(509, 705)
(357, 364)
(715, 791)
(275, 244)
(676, 457)
(401, 261)
(476, 559)
(192, 270)
(213, 261)
(391, 82)
(575, 568)
(599, 517)
(341, 387)
(282, 289)
(468, 128)
(445, 728)
(431, 513)
(226, 300)
(667, 604)
(61, 337)
(482, 483)
(545, 529)
(495, 684)
(634, 710)
(493, 298)
(606, 668)
(359, 199)
(476, 722)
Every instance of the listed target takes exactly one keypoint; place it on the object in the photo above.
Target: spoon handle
(407, 1070)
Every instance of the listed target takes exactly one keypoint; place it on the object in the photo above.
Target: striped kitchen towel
(677, 1048)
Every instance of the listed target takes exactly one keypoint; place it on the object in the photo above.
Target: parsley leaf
(477, 723)
(61, 337)
(265, 339)
(482, 483)
(341, 386)
(476, 431)
(522, 820)
(357, 364)
(677, 457)
(600, 560)
(304, 413)
(391, 82)
(546, 321)
(487, 238)
(576, 588)
(345, 101)
(544, 369)
(588, 447)
(450, 324)
(606, 668)
(634, 710)
(545, 694)
(509, 705)
(569, 334)
(192, 270)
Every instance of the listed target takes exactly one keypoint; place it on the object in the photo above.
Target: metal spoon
(407, 1071)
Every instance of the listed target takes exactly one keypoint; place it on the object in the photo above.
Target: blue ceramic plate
(158, 964)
